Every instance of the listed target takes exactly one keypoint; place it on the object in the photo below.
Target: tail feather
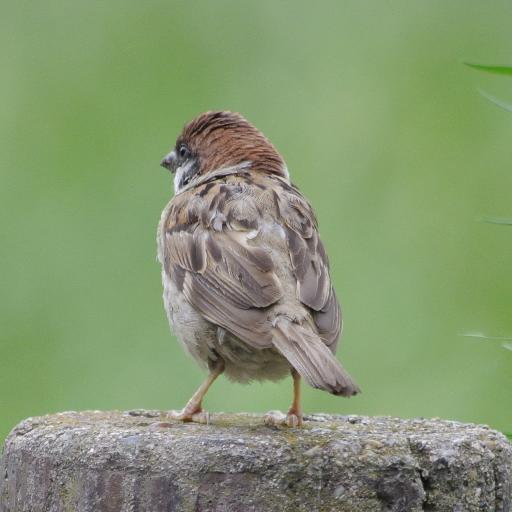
(314, 361)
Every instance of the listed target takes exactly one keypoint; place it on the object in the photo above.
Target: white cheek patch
(180, 172)
(177, 179)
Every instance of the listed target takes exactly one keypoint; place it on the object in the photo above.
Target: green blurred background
(382, 128)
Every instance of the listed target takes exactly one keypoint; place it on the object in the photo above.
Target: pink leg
(294, 416)
(193, 411)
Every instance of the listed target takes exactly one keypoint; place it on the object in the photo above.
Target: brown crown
(223, 139)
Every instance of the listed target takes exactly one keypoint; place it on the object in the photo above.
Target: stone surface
(137, 461)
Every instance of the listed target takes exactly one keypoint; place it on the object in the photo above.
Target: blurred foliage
(500, 70)
(382, 130)
(494, 220)
(500, 103)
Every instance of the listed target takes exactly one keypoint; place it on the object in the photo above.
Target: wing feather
(229, 281)
(310, 264)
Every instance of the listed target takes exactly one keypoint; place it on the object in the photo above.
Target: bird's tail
(311, 357)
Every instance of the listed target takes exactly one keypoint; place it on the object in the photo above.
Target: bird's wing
(206, 252)
(309, 262)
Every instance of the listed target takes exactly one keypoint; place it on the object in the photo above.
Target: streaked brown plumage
(246, 278)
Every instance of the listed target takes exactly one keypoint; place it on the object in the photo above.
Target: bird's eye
(183, 151)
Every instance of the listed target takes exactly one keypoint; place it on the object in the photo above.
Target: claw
(278, 419)
(293, 421)
(197, 416)
(202, 417)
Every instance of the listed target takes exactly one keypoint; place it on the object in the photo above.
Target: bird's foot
(277, 419)
(189, 414)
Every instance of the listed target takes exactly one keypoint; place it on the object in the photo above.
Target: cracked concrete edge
(138, 460)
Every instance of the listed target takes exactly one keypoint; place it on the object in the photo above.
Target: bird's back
(269, 230)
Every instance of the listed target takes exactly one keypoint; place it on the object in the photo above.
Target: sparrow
(246, 280)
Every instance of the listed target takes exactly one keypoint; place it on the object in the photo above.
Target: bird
(246, 281)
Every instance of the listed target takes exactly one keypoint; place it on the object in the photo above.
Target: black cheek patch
(189, 175)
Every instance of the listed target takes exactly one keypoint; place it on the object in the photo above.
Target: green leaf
(496, 101)
(497, 220)
(509, 435)
(500, 70)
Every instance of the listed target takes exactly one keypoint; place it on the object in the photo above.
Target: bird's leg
(294, 416)
(193, 411)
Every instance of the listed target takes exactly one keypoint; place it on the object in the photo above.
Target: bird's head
(214, 141)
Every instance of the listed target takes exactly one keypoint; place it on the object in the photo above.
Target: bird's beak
(169, 162)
